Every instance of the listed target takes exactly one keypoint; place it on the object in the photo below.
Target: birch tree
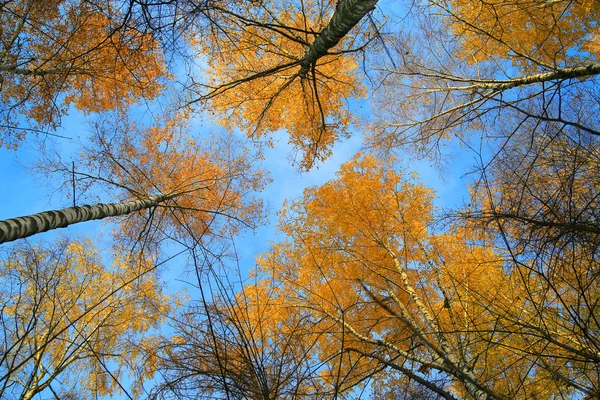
(71, 326)
(239, 345)
(274, 65)
(396, 301)
(62, 53)
(538, 201)
(477, 71)
(169, 184)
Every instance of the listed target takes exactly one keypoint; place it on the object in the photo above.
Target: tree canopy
(66, 317)
(61, 53)
(374, 285)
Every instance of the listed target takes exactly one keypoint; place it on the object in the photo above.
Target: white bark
(29, 225)
(347, 14)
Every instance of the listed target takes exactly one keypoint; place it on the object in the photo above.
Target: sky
(26, 192)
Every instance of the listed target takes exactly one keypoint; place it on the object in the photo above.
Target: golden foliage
(531, 33)
(487, 71)
(257, 81)
(244, 345)
(383, 290)
(212, 181)
(62, 53)
(335, 260)
(66, 316)
(545, 213)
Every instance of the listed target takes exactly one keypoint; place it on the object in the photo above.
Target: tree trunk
(558, 74)
(29, 225)
(347, 14)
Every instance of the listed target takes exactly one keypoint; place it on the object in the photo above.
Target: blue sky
(26, 191)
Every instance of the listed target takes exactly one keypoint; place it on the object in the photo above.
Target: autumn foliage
(483, 73)
(258, 83)
(532, 35)
(241, 345)
(61, 53)
(390, 294)
(210, 181)
(66, 317)
(369, 289)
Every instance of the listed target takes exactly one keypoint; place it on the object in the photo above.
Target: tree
(29, 225)
(533, 35)
(275, 65)
(239, 346)
(443, 309)
(69, 323)
(170, 185)
(66, 53)
(477, 71)
(516, 82)
(539, 201)
(501, 303)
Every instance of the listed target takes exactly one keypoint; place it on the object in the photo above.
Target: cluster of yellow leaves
(534, 33)
(257, 83)
(336, 248)
(247, 345)
(121, 69)
(343, 225)
(207, 179)
(378, 284)
(447, 79)
(485, 313)
(278, 341)
(67, 52)
(67, 315)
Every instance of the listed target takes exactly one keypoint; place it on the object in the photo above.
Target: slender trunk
(347, 14)
(558, 74)
(561, 227)
(29, 225)
(37, 72)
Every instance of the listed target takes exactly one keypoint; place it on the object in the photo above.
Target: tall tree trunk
(558, 74)
(347, 14)
(29, 225)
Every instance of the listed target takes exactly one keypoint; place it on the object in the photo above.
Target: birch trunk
(347, 14)
(29, 225)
